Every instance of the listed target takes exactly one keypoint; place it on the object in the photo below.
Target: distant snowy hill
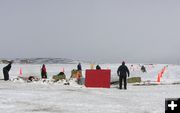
(40, 61)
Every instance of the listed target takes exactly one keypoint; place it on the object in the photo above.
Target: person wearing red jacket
(43, 71)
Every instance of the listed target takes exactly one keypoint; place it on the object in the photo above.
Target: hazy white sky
(93, 30)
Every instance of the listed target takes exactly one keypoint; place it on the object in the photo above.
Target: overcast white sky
(93, 30)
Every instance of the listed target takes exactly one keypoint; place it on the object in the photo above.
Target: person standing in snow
(79, 74)
(98, 67)
(6, 70)
(143, 69)
(79, 68)
(122, 72)
(43, 71)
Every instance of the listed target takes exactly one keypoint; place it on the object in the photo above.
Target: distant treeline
(39, 61)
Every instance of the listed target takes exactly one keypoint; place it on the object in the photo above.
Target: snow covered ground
(39, 97)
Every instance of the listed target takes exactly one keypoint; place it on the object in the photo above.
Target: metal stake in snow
(62, 70)
(20, 72)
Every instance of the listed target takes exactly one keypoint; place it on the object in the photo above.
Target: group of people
(7, 68)
(122, 72)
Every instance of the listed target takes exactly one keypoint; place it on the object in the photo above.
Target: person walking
(6, 70)
(122, 72)
(43, 71)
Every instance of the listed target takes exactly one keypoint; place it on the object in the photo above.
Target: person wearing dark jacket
(43, 72)
(79, 68)
(122, 72)
(6, 70)
(143, 69)
(98, 67)
(79, 74)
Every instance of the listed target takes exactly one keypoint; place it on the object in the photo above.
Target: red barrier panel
(160, 74)
(98, 78)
